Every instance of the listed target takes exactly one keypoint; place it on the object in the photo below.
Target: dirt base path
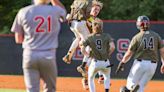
(69, 84)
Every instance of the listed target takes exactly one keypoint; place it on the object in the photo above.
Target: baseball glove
(120, 67)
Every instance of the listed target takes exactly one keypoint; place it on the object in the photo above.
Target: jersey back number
(148, 43)
(99, 44)
(41, 21)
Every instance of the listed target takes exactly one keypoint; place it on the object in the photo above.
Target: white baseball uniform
(40, 26)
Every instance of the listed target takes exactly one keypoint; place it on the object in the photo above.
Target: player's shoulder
(90, 35)
(56, 7)
(139, 34)
(154, 33)
(106, 35)
(26, 8)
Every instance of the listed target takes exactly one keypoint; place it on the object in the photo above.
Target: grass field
(72, 84)
(11, 90)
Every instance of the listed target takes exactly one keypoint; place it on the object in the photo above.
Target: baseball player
(102, 46)
(37, 27)
(85, 17)
(144, 46)
(77, 18)
(81, 27)
(95, 9)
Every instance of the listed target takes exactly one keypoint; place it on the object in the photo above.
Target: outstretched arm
(125, 59)
(112, 48)
(127, 56)
(83, 50)
(57, 3)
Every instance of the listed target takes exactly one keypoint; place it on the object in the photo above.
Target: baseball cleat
(101, 80)
(67, 59)
(135, 88)
(81, 70)
(85, 83)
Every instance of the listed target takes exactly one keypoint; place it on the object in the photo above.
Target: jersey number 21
(42, 20)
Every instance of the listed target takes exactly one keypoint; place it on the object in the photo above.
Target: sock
(83, 64)
(100, 75)
(106, 90)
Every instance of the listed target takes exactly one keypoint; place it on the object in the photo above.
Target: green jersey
(145, 45)
(80, 9)
(99, 44)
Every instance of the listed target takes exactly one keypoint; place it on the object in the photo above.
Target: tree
(8, 10)
(113, 10)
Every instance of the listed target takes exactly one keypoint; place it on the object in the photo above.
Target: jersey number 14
(148, 43)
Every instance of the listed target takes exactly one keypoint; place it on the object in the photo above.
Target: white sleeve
(17, 25)
(62, 13)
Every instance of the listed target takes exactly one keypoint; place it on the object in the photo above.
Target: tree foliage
(113, 10)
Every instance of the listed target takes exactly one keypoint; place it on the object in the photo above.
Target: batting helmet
(124, 89)
(143, 22)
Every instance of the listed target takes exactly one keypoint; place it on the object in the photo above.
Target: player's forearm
(162, 55)
(127, 56)
(112, 48)
(19, 38)
(57, 3)
(84, 51)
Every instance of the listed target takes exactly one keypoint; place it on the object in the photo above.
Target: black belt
(79, 20)
(140, 60)
(101, 60)
(105, 61)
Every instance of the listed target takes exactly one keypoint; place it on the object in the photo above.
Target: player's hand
(162, 69)
(67, 59)
(69, 18)
(120, 67)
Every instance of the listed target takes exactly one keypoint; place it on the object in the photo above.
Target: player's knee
(124, 89)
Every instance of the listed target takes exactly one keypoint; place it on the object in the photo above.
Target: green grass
(11, 90)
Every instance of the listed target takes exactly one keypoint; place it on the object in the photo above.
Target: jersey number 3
(42, 22)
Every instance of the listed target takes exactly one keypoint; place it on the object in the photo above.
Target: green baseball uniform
(146, 44)
(99, 45)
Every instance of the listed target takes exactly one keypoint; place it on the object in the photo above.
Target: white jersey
(40, 31)
(81, 29)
